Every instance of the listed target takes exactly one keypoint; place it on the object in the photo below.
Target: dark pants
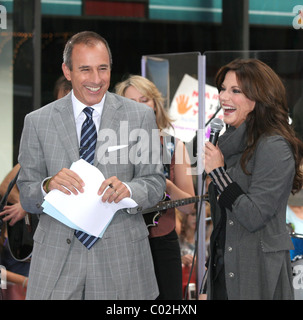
(168, 266)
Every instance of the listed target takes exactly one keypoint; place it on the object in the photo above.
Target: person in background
(187, 238)
(188, 233)
(62, 87)
(254, 167)
(179, 184)
(179, 217)
(294, 212)
(67, 263)
(294, 221)
(16, 272)
(13, 212)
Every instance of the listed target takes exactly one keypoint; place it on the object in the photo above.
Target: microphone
(216, 125)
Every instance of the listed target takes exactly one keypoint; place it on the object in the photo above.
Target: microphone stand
(213, 116)
(198, 290)
(197, 236)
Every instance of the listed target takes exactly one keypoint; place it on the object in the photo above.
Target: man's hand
(116, 190)
(67, 181)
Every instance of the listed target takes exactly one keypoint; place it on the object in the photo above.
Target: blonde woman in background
(179, 184)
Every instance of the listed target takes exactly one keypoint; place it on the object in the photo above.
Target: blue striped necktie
(87, 152)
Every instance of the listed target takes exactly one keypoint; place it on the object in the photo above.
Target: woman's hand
(13, 213)
(187, 260)
(213, 157)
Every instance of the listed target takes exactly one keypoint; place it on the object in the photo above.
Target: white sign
(184, 109)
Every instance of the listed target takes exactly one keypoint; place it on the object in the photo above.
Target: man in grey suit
(119, 265)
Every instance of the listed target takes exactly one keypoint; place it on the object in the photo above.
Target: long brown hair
(261, 84)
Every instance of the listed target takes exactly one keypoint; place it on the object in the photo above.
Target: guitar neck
(164, 205)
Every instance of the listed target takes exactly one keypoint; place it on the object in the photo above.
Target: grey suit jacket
(48, 144)
(256, 257)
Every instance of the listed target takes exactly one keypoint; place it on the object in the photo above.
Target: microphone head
(216, 124)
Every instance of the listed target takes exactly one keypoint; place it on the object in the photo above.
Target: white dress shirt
(80, 115)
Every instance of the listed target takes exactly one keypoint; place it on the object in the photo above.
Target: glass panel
(6, 92)
(176, 76)
(179, 78)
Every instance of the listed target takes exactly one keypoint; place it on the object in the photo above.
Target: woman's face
(236, 106)
(191, 220)
(133, 94)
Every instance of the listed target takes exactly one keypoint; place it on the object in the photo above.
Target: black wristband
(229, 195)
(228, 189)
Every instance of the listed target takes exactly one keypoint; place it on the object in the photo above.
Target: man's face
(90, 75)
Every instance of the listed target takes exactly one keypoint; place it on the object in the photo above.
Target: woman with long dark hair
(254, 168)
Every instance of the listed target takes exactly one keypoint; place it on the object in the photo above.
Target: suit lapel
(64, 122)
(110, 119)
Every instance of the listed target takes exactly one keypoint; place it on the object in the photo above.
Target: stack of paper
(84, 211)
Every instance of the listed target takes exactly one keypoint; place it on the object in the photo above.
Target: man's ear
(66, 71)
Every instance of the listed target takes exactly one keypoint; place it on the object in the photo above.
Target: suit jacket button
(68, 241)
(38, 205)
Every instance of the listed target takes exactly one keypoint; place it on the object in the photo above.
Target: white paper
(85, 210)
